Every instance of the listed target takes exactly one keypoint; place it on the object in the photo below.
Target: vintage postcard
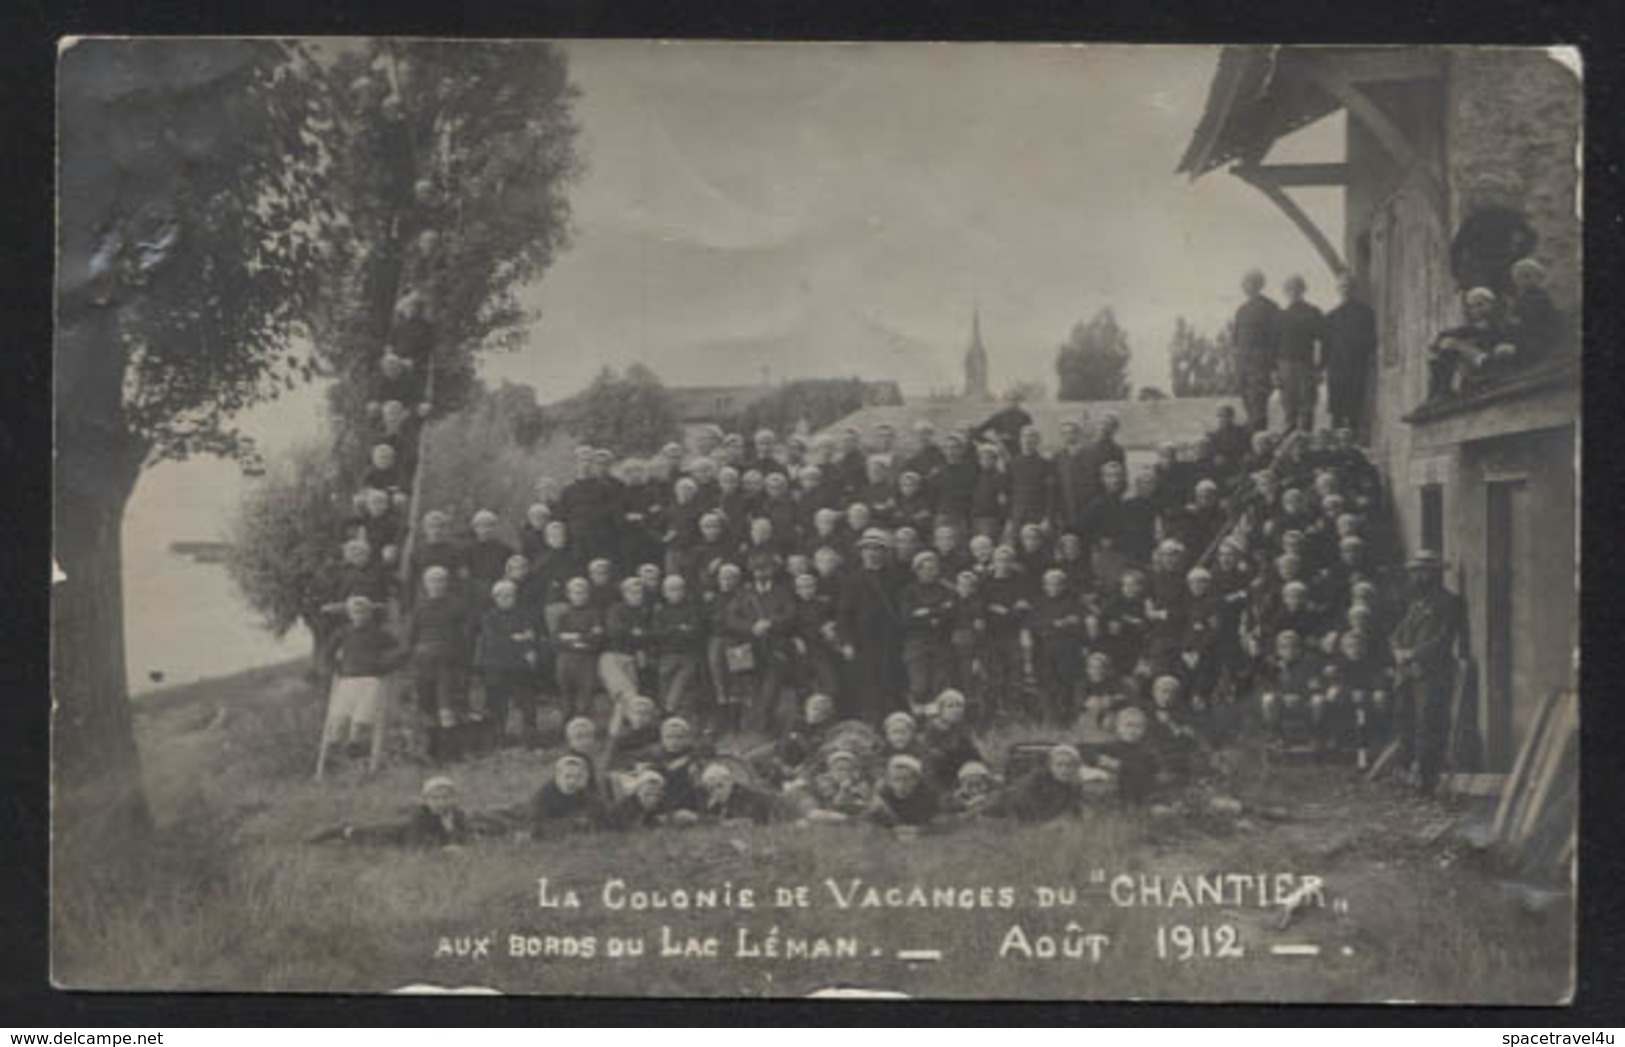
(724, 519)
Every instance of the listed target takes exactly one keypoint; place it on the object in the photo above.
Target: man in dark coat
(591, 505)
(765, 610)
(1032, 482)
(1255, 337)
(870, 618)
(1424, 648)
(1349, 346)
(1297, 348)
(1076, 477)
(1005, 425)
(1494, 234)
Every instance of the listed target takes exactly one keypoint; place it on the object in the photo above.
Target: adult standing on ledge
(1257, 331)
(1350, 343)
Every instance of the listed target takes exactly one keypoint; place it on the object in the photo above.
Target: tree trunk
(95, 766)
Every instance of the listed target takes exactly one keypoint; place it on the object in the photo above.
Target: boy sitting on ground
(645, 805)
(975, 788)
(1175, 741)
(1103, 694)
(1357, 689)
(947, 740)
(1129, 761)
(581, 740)
(788, 757)
(904, 801)
(635, 741)
(1053, 791)
(566, 803)
(1292, 698)
(727, 801)
(900, 736)
(838, 793)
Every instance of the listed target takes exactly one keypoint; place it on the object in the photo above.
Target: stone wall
(1516, 111)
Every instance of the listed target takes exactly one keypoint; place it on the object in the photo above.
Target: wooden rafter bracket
(1342, 86)
(1262, 179)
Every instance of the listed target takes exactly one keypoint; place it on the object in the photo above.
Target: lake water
(182, 618)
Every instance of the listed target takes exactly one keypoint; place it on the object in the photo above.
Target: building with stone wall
(1489, 476)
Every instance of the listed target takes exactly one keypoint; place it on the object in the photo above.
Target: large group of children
(827, 626)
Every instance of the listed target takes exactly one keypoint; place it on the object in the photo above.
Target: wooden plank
(1517, 781)
(1474, 784)
(1301, 174)
(1539, 774)
(1556, 771)
(1389, 63)
(1361, 107)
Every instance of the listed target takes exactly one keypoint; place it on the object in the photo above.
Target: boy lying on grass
(438, 822)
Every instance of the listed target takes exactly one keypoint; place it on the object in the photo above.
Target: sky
(752, 210)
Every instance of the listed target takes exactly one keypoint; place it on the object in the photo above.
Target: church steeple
(976, 387)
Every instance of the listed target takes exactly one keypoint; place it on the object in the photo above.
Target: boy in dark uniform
(990, 494)
(817, 639)
(1007, 601)
(565, 804)
(487, 555)
(955, 485)
(506, 655)
(1032, 482)
(577, 639)
(1292, 687)
(439, 637)
(1058, 637)
(677, 635)
(904, 799)
(927, 606)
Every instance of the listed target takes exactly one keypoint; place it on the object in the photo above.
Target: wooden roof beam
(1295, 214)
(1361, 107)
(1299, 174)
(1387, 63)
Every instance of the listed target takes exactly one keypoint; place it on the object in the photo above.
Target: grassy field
(228, 897)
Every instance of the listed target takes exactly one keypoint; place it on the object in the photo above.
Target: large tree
(187, 211)
(1093, 363)
(450, 168)
(631, 412)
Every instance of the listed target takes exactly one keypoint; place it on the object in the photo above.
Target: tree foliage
(191, 209)
(630, 412)
(815, 402)
(1200, 365)
(1093, 363)
(480, 458)
(284, 540)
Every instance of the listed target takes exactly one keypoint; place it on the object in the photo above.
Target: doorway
(1506, 616)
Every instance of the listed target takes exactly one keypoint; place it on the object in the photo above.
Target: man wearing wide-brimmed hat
(1425, 645)
(870, 617)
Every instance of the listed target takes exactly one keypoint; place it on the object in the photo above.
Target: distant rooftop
(1143, 424)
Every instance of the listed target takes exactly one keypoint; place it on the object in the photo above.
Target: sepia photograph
(693, 519)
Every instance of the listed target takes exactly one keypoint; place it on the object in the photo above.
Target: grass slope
(229, 898)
